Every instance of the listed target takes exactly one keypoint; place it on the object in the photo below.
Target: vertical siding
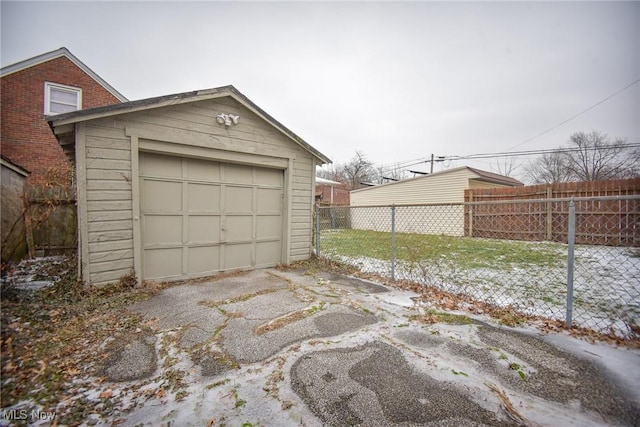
(108, 192)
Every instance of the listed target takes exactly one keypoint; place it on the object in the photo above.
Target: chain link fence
(575, 260)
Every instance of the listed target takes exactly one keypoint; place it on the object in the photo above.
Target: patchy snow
(606, 285)
(33, 274)
(261, 393)
(621, 363)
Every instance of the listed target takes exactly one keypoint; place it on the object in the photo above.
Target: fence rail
(607, 220)
(587, 273)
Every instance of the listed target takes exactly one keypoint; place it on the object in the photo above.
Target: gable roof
(481, 175)
(494, 177)
(6, 162)
(63, 51)
(179, 98)
(323, 181)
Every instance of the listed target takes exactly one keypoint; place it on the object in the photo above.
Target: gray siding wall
(105, 161)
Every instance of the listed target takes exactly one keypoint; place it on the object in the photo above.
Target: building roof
(481, 175)
(5, 161)
(63, 51)
(175, 99)
(322, 181)
(494, 177)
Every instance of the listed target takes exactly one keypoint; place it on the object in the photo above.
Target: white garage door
(199, 217)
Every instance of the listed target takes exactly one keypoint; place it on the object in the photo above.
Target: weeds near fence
(47, 218)
(437, 302)
(427, 245)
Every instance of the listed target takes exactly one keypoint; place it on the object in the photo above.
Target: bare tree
(507, 166)
(390, 173)
(589, 157)
(598, 158)
(548, 168)
(358, 170)
(330, 171)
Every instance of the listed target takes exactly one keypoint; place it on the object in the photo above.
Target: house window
(61, 99)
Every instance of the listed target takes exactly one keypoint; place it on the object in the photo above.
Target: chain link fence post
(393, 243)
(571, 240)
(317, 230)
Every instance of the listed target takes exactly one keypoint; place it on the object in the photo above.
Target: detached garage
(186, 186)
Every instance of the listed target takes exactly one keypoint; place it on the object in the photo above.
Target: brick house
(51, 83)
(331, 193)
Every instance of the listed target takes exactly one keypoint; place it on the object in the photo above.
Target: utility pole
(433, 159)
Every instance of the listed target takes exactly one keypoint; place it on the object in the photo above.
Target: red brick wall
(25, 136)
(340, 195)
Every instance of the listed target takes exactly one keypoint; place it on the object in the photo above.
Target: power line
(409, 163)
(537, 152)
(575, 116)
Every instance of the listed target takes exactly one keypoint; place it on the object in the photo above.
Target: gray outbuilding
(187, 185)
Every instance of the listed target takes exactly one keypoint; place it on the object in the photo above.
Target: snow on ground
(34, 274)
(620, 362)
(606, 285)
(260, 393)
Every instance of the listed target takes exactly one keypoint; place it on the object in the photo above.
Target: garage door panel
(161, 196)
(269, 226)
(159, 165)
(204, 170)
(162, 229)
(239, 199)
(237, 256)
(269, 199)
(266, 176)
(204, 259)
(238, 174)
(163, 262)
(204, 228)
(268, 253)
(238, 228)
(203, 198)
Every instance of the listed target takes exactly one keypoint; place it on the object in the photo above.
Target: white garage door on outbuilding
(187, 185)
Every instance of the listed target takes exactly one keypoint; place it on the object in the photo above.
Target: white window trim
(47, 95)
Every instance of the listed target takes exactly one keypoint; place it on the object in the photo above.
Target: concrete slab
(272, 347)
(374, 385)
(131, 359)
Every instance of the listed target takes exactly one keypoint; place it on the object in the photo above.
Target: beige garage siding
(437, 188)
(440, 188)
(104, 167)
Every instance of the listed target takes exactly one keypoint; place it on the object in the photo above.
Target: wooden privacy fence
(50, 219)
(607, 212)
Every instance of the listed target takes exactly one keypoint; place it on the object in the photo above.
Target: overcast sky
(396, 80)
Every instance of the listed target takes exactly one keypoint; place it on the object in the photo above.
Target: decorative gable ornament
(227, 119)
